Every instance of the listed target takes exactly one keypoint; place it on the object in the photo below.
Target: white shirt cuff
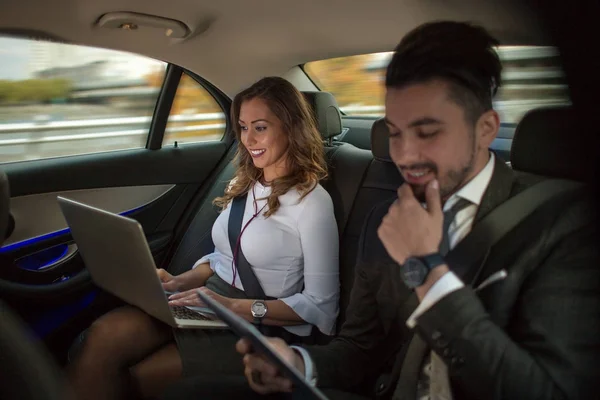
(447, 284)
(309, 367)
(206, 259)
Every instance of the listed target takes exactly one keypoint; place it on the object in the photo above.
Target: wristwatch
(414, 271)
(258, 310)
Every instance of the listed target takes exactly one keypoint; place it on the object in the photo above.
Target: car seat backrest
(542, 145)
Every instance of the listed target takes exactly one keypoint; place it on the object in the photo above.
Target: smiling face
(263, 137)
(430, 137)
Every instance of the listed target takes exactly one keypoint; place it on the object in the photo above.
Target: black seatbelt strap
(252, 286)
(501, 221)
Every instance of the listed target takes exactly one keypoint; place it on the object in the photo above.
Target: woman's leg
(205, 353)
(114, 343)
(162, 368)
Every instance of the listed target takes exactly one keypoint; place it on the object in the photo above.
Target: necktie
(425, 367)
(449, 216)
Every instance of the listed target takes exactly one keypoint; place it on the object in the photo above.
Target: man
(534, 334)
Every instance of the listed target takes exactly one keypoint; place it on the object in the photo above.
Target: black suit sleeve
(362, 346)
(551, 346)
(341, 363)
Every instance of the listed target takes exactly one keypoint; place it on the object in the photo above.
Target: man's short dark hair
(459, 53)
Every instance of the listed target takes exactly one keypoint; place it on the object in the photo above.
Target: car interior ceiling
(230, 31)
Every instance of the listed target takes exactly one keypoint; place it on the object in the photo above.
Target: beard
(451, 182)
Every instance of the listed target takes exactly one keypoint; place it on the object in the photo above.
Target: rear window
(532, 78)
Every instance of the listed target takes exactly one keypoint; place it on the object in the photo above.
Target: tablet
(244, 329)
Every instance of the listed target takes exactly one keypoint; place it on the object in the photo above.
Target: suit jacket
(533, 335)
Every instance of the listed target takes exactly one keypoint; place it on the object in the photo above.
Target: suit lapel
(498, 190)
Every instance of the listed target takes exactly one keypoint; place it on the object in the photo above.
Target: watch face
(414, 272)
(259, 309)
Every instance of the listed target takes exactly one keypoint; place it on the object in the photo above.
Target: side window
(60, 99)
(195, 115)
(532, 77)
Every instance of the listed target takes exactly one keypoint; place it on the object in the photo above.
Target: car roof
(235, 42)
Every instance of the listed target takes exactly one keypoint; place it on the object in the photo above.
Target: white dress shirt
(296, 247)
(459, 228)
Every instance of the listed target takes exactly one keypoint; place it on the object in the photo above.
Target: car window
(532, 77)
(195, 115)
(61, 99)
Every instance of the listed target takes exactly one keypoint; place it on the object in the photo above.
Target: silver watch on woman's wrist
(258, 310)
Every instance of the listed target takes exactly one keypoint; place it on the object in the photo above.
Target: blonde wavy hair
(305, 154)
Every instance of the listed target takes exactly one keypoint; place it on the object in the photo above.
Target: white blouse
(295, 247)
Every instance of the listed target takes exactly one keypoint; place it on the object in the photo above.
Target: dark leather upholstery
(380, 145)
(327, 113)
(543, 145)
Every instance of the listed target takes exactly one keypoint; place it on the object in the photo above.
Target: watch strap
(432, 260)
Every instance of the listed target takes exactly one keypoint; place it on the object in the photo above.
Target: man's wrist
(418, 253)
(433, 276)
(305, 365)
(300, 363)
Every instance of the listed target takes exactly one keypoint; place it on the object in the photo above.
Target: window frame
(162, 107)
(314, 81)
(222, 100)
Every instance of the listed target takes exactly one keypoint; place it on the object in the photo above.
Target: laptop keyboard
(186, 313)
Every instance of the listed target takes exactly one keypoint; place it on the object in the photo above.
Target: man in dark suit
(521, 323)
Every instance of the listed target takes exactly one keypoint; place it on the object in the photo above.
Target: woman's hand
(188, 280)
(191, 298)
(170, 283)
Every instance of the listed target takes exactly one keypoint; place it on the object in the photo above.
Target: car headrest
(327, 113)
(543, 145)
(380, 141)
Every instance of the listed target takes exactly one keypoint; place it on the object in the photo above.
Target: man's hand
(263, 376)
(408, 229)
(191, 298)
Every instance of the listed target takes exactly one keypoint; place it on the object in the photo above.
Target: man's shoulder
(524, 180)
(564, 212)
(575, 194)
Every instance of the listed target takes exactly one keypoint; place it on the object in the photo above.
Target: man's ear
(487, 128)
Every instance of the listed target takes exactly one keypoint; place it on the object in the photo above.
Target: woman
(289, 238)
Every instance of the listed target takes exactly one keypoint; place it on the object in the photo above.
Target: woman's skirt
(212, 351)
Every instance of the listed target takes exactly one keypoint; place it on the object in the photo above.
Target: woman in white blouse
(289, 238)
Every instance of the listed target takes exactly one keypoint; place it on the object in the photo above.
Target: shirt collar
(474, 189)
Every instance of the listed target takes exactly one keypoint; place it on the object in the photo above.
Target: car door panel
(155, 187)
(170, 165)
(37, 215)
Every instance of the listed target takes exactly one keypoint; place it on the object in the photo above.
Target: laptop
(117, 256)
(302, 389)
